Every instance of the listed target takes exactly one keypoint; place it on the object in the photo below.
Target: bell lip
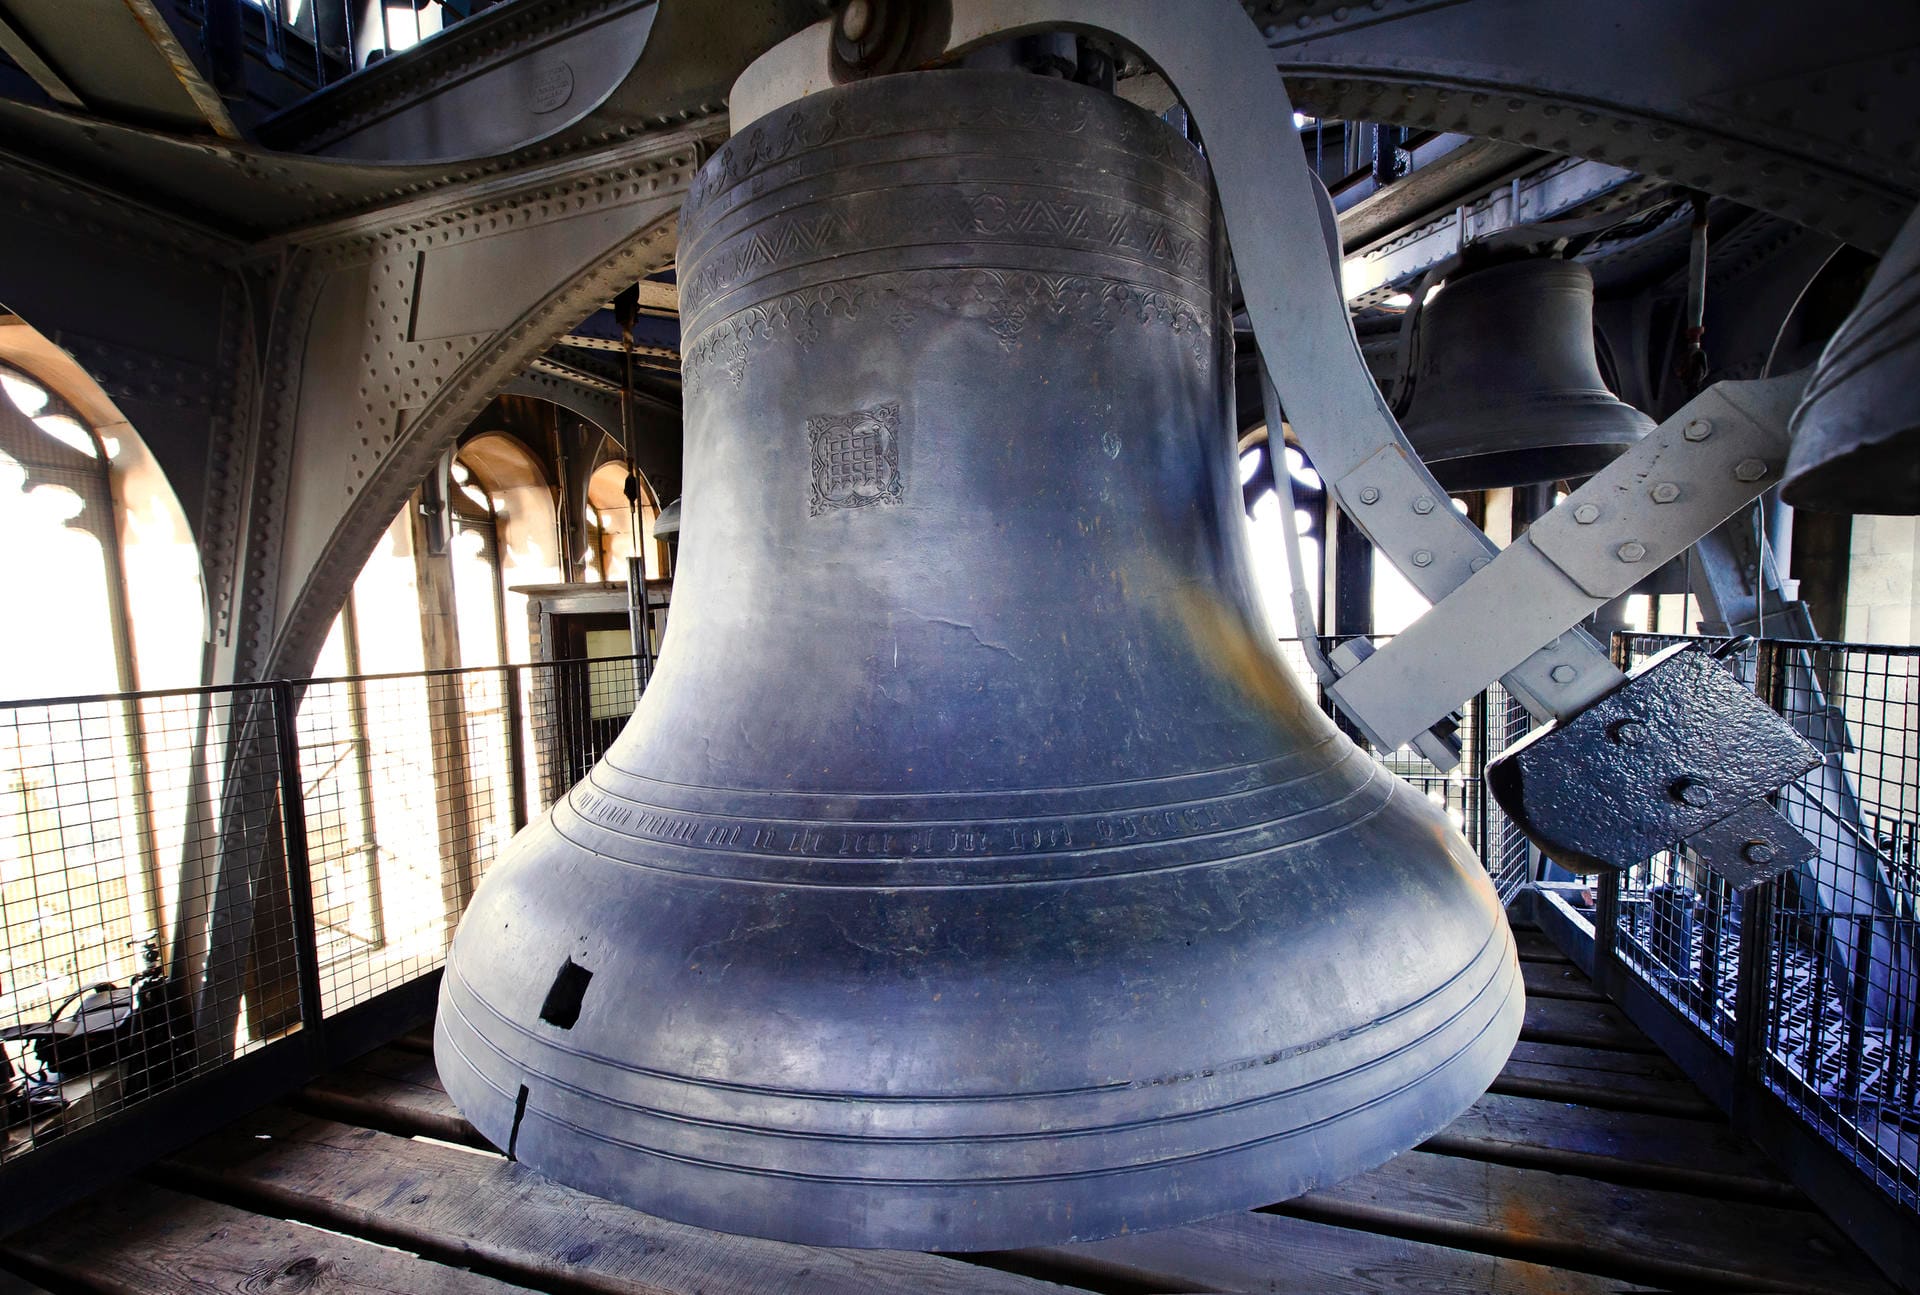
(1879, 477)
(1510, 468)
(1018, 1212)
(1484, 451)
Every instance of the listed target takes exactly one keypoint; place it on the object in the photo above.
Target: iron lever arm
(1649, 505)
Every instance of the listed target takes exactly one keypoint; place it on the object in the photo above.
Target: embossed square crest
(856, 458)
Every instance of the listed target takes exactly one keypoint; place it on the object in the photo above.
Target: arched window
(506, 535)
(102, 579)
(114, 580)
(56, 503)
(610, 524)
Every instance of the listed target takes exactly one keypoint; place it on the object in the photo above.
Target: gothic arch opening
(105, 545)
(611, 524)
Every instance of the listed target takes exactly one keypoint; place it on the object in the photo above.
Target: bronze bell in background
(972, 873)
(1506, 387)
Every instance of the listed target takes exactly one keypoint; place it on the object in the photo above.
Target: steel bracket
(1716, 454)
(1686, 477)
(1681, 751)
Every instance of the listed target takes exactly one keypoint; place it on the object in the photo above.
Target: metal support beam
(159, 312)
(1707, 460)
(1550, 191)
(1446, 171)
(391, 332)
(1784, 106)
(15, 44)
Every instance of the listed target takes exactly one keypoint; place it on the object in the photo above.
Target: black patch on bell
(562, 1007)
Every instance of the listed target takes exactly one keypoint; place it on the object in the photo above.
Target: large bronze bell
(1506, 387)
(1856, 434)
(972, 874)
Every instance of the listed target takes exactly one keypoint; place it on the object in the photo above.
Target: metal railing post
(1712, 937)
(516, 748)
(1606, 903)
(1752, 995)
(293, 840)
(1753, 1026)
(1859, 985)
(1606, 927)
(1479, 733)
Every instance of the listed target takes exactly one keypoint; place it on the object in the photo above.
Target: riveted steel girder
(1800, 110)
(391, 332)
(483, 99)
(159, 313)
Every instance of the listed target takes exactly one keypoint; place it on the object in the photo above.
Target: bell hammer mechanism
(1684, 752)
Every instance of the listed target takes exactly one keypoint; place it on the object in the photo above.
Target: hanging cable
(1692, 368)
(626, 309)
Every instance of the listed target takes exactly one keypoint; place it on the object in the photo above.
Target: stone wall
(1883, 583)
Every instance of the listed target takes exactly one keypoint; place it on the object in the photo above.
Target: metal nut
(1563, 674)
(855, 19)
(1628, 732)
(1423, 505)
(1422, 558)
(1631, 551)
(1479, 564)
(1749, 470)
(1370, 495)
(1587, 514)
(1665, 493)
(1757, 852)
(1698, 430)
(1689, 791)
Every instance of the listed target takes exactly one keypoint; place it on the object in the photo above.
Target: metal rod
(363, 771)
(1477, 733)
(319, 57)
(1913, 1059)
(293, 834)
(274, 23)
(1776, 1006)
(1707, 978)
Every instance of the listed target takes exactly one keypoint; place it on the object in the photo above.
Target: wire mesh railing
(1810, 981)
(94, 794)
(414, 783)
(190, 877)
(318, 42)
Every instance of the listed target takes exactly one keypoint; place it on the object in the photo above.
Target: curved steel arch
(1799, 110)
(390, 340)
(657, 454)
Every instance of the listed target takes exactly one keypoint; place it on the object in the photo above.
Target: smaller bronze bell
(1507, 389)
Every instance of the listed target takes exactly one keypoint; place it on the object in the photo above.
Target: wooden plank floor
(1591, 1166)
